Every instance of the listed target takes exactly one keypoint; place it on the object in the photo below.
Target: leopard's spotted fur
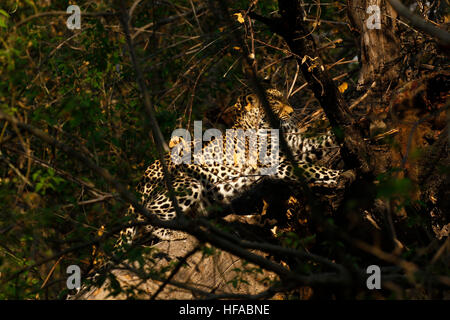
(199, 186)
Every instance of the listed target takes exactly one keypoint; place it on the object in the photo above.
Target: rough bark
(379, 48)
(216, 274)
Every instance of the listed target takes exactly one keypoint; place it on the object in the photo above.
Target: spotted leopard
(212, 180)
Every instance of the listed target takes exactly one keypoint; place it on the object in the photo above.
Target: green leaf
(39, 186)
(3, 22)
(3, 12)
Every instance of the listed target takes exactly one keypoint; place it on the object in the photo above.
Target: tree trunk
(379, 44)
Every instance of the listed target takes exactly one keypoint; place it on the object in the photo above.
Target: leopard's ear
(175, 140)
(238, 105)
(251, 102)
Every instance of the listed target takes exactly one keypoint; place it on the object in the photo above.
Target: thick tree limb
(416, 21)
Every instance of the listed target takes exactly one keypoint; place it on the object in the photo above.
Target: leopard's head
(250, 112)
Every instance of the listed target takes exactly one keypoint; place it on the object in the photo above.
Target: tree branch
(440, 34)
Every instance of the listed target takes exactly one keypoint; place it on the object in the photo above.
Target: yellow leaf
(274, 231)
(239, 17)
(101, 231)
(343, 87)
(292, 200)
(264, 209)
(236, 48)
(304, 59)
(433, 199)
(312, 67)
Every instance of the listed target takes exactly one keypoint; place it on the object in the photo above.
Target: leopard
(211, 180)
